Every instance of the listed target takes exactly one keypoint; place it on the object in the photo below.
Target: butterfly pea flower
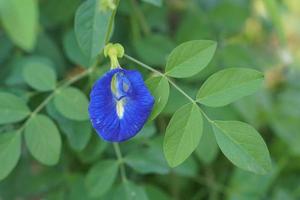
(120, 104)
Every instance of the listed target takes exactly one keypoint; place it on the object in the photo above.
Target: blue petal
(126, 90)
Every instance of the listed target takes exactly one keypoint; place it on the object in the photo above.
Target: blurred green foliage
(39, 51)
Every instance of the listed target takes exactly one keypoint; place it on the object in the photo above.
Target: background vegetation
(37, 37)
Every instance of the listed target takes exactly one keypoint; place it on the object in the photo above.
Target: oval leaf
(229, 85)
(20, 20)
(13, 108)
(243, 146)
(78, 132)
(101, 177)
(73, 51)
(129, 191)
(160, 89)
(145, 161)
(10, 150)
(39, 75)
(190, 58)
(183, 134)
(72, 103)
(91, 27)
(43, 139)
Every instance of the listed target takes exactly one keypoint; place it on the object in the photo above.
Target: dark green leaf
(154, 2)
(149, 160)
(129, 191)
(101, 177)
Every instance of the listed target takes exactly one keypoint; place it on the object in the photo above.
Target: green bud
(114, 51)
(106, 5)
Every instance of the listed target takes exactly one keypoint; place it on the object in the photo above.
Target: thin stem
(51, 95)
(121, 161)
(170, 81)
(161, 74)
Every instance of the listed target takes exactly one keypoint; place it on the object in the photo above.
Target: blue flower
(120, 104)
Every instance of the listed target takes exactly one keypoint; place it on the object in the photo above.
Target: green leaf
(39, 75)
(243, 146)
(43, 139)
(93, 150)
(154, 2)
(12, 108)
(183, 134)
(207, 149)
(229, 85)
(10, 151)
(78, 132)
(20, 20)
(146, 49)
(159, 88)
(101, 177)
(91, 27)
(74, 52)
(149, 160)
(130, 191)
(255, 188)
(190, 58)
(72, 103)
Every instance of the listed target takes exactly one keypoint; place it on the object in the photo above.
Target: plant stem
(121, 161)
(52, 94)
(170, 81)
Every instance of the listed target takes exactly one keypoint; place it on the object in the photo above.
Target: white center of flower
(120, 108)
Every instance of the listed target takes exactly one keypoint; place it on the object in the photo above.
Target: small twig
(121, 161)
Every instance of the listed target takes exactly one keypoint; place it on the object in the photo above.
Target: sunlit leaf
(243, 146)
(183, 134)
(190, 58)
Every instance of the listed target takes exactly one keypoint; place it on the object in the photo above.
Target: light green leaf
(229, 85)
(72, 103)
(10, 150)
(190, 58)
(12, 108)
(20, 20)
(39, 75)
(130, 191)
(183, 134)
(243, 146)
(207, 149)
(159, 88)
(154, 2)
(101, 177)
(91, 27)
(43, 139)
